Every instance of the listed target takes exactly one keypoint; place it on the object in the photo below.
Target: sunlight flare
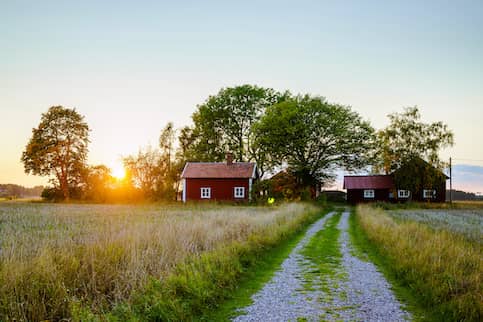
(118, 171)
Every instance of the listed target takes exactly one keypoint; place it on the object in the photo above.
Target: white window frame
(239, 192)
(369, 194)
(429, 193)
(403, 193)
(205, 192)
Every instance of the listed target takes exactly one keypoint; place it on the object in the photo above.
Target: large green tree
(224, 122)
(314, 138)
(58, 148)
(407, 137)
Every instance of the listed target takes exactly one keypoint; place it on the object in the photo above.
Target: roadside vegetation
(443, 269)
(146, 262)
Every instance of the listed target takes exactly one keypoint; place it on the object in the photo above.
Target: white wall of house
(184, 190)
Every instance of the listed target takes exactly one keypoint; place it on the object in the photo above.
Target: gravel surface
(363, 294)
(283, 298)
(359, 292)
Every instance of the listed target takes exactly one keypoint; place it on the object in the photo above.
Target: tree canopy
(416, 175)
(224, 122)
(172, 163)
(156, 171)
(98, 181)
(314, 138)
(407, 137)
(306, 136)
(58, 148)
(144, 170)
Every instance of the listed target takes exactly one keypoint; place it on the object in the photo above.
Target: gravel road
(283, 298)
(363, 294)
(360, 292)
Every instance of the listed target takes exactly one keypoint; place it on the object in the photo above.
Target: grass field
(465, 222)
(435, 254)
(130, 262)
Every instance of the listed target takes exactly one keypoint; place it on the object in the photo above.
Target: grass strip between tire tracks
(324, 254)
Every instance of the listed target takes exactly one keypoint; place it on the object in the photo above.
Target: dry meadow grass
(52, 256)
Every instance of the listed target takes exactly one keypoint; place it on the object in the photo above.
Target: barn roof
(369, 182)
(220, 170)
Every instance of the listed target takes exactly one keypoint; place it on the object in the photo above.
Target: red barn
(230, 181)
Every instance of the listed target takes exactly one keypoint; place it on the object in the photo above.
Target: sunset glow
(118, 171)
(171, 57)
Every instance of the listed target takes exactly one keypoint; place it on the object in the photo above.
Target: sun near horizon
(118, 171)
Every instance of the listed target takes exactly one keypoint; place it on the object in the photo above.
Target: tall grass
(59, 261)
(466, 222)
(442, 268)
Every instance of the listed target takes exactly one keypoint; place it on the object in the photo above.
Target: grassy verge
(436, 271)
(323, 252)
(211, 286)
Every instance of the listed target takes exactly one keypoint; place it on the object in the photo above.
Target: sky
(132, 66)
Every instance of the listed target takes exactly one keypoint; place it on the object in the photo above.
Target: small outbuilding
(230, 181)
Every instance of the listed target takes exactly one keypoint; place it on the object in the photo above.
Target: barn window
(403, 193)
(205, 193)
(428, 194)
(369, 193)
(239, 192)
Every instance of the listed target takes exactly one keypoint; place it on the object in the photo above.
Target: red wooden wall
(221, 189)
(355, 196)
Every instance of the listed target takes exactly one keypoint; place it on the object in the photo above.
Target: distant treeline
(305, 135)
(462, 195)
(16, 191)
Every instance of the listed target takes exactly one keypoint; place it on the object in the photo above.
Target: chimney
(229, 158)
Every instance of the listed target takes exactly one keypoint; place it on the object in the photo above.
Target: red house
(230, 181)
(415, 180)
(368, 188)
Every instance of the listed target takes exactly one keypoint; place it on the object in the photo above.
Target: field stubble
(54, 258)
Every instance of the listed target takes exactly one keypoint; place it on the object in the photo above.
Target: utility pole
(450, 182)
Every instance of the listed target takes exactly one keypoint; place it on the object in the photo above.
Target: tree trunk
(65, 189)
(64, 184)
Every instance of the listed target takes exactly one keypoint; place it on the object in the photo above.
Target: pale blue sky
(130, 67)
